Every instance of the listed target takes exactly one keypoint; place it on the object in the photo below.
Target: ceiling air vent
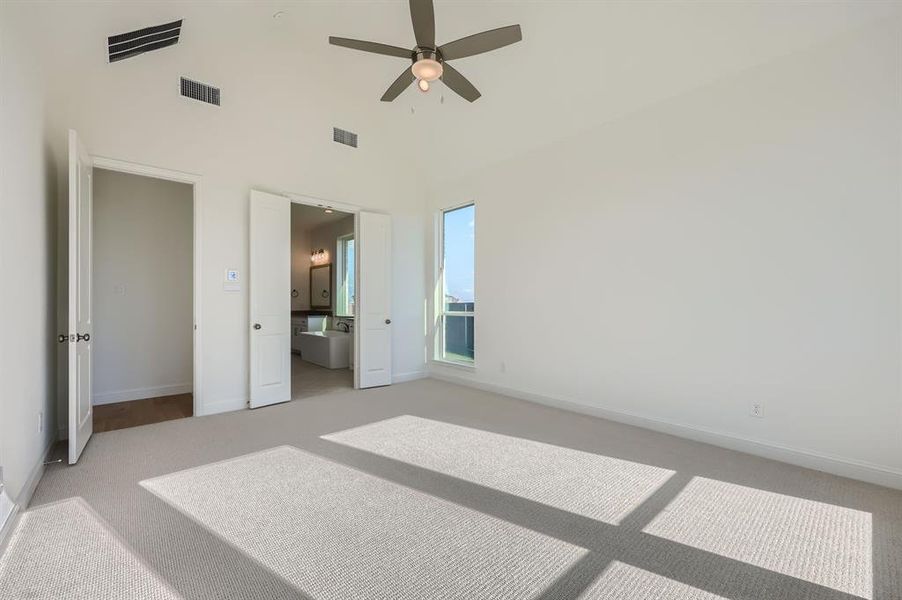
(200, 91)
(344, 137)
(126, 45)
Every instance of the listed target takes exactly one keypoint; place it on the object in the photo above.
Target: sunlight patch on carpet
(336, 533)
(64, 550)
(626, 582)
(592, 485)
(821, 543)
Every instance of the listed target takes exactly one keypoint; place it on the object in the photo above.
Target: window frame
(341, 299)
(439, 304)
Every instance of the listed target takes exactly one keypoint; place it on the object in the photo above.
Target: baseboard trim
(31, 484)
(141, 393)
(409, 376)
(835, 465)
(7, 524)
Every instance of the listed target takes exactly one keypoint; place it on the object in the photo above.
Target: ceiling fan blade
(422, 13)
(374, 47)
(400, 84)
(481, 42)
(460, 84)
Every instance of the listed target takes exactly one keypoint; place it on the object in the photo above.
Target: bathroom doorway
(323, 300)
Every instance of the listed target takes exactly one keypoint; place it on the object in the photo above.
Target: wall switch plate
(757, 410)
(231, 275)
(41, 421)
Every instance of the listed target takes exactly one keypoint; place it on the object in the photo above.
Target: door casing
(196, 183)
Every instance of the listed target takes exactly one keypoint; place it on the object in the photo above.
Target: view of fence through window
(458, 283)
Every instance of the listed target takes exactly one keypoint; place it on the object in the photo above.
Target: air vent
(126, 45)
(344, 137)
(200, 91)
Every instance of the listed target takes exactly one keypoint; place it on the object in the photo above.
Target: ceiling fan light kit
(429, 62)
(425, 66)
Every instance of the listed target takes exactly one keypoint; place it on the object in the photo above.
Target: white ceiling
(311, 217)
(580, 64)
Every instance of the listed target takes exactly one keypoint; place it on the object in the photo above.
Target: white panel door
(270, 299)
(81, 323)
(374, 294)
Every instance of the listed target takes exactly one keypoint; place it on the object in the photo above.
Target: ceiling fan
(430, 61)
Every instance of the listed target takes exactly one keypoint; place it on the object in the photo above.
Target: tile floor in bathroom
(308, 379)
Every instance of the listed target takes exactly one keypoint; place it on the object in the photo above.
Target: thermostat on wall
(231, 281)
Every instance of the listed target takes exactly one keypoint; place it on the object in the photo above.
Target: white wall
(735, 244)
(27, 262)
(326, 236)
(300, 260)
(272, 132)
(143, 287)
(306, 237)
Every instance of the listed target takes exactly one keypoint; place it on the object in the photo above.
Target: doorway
(142, 300)
(77, 262)
(366, 297)
(323, 295)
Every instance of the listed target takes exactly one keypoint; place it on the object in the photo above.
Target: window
(457, 271)
(345, 277)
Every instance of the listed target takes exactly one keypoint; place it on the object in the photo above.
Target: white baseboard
(8, 510)
(142, 393)
(12, 507)
(8, 513)
(409, 376)
(844, 467)
(37, 471)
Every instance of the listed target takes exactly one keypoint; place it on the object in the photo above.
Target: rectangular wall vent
(200, 91)
(126, 45)
(344, 137)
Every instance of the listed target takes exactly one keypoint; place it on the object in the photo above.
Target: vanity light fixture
(318, 256)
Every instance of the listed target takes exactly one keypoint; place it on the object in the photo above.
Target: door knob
(388, 321)
(79, 337)
(258, 326)
(62, 338)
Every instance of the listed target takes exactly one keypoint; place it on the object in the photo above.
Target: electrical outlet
(757, 410)
(502, 367)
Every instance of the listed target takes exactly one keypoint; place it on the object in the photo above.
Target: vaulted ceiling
(580, 63)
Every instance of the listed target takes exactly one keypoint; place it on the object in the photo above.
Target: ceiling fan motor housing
(426, 53)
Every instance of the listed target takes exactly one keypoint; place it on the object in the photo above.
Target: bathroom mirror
(321, 286)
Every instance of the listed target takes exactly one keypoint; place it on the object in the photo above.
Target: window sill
(441, 362)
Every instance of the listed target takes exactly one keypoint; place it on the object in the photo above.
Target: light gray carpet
(818, 542)
(624, 582)
(585, 483)
(63, 550)
(337, 533)
(699, 550)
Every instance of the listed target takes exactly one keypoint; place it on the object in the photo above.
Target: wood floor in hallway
(120, 415)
